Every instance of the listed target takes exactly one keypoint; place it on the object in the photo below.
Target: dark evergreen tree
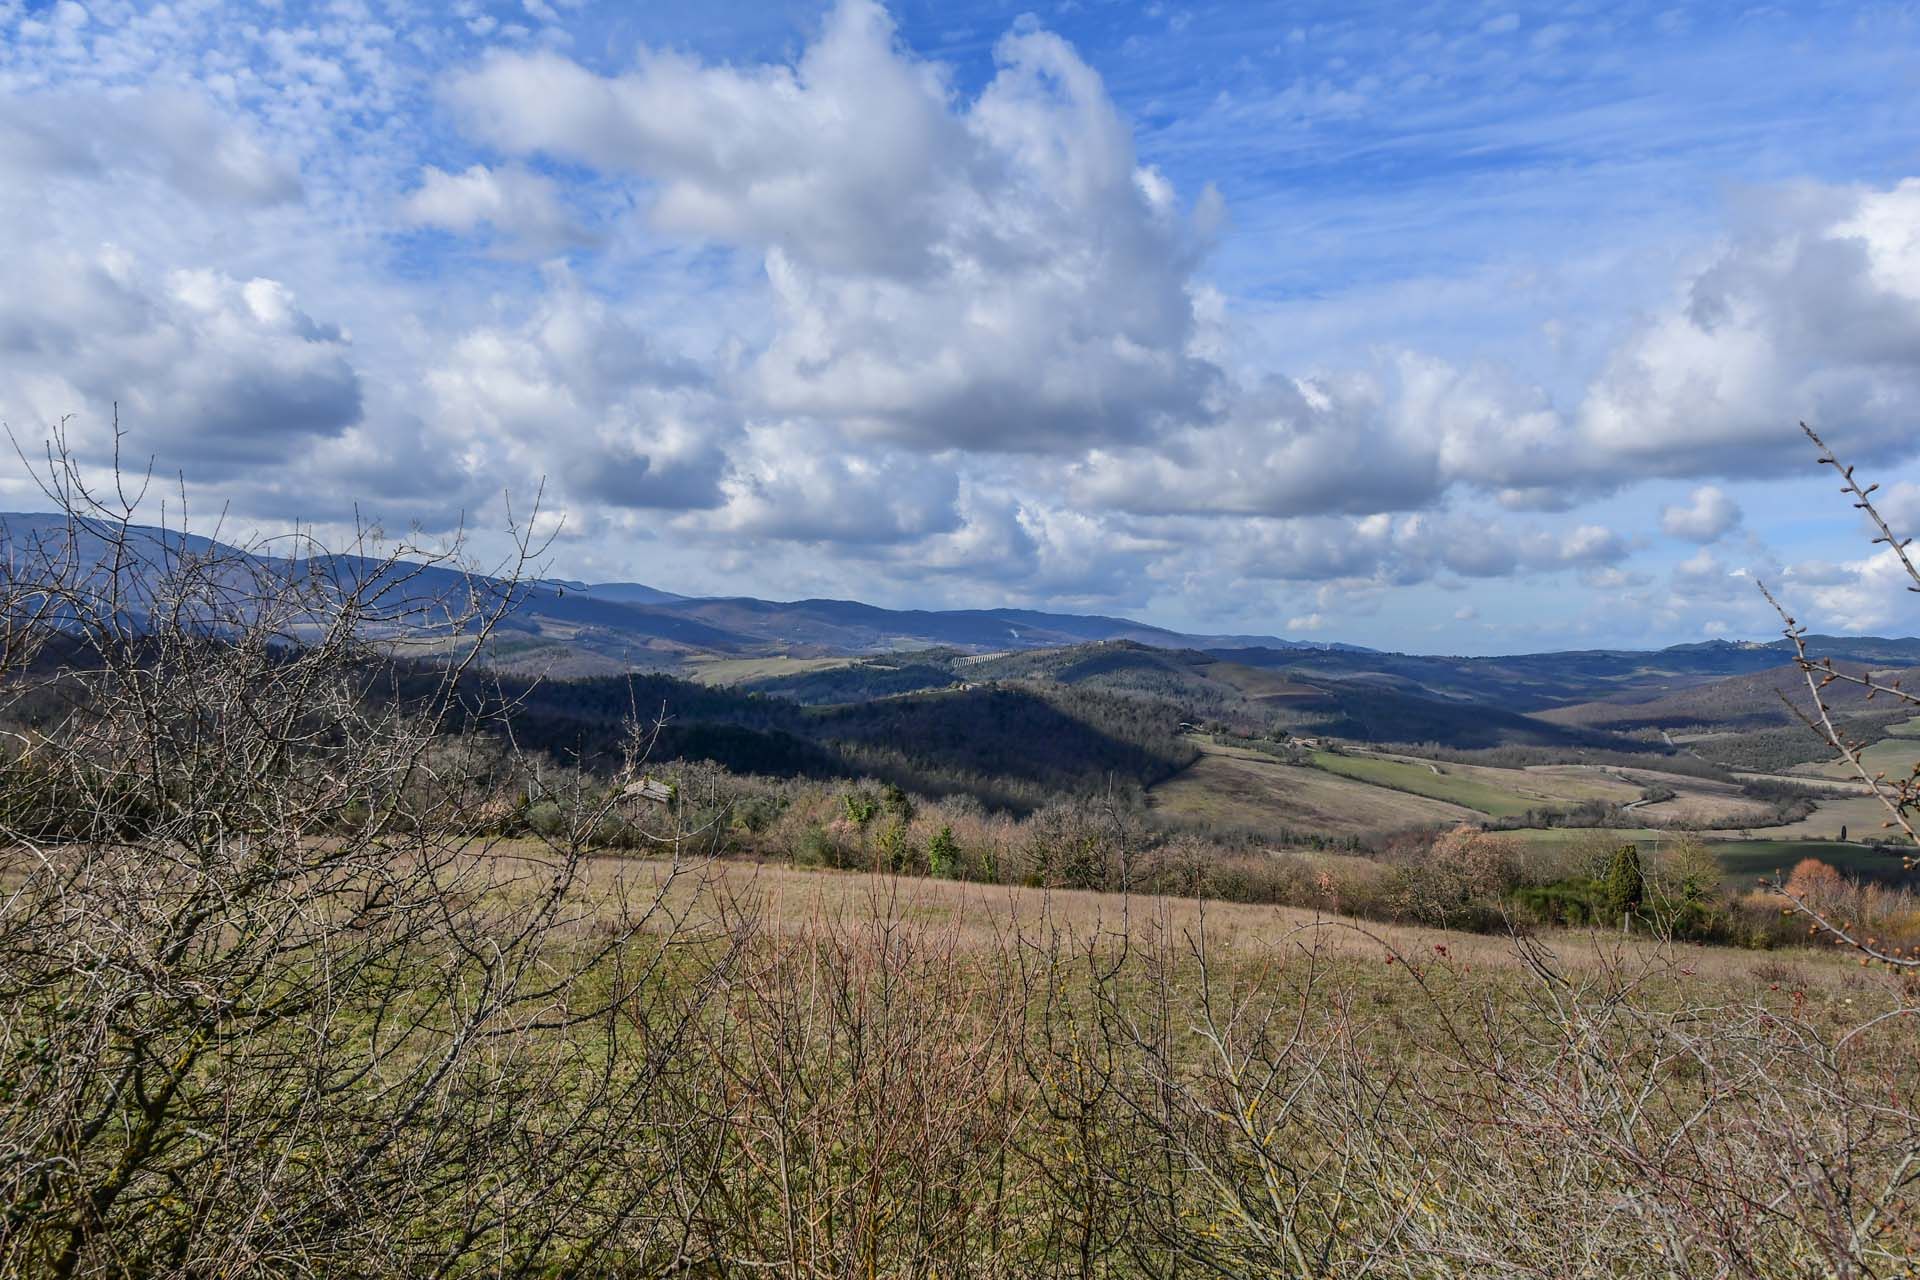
(1625, 884)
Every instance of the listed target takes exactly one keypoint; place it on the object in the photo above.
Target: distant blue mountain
(630, 623)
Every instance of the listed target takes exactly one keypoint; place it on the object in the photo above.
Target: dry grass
(1864, 817)
(1579, 782)
(1703, 809)
(731, 671)
(982, 918)
(1231, 787)
(1895, 755)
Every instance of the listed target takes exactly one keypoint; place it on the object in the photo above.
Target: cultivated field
(1771, 858)
(709, 669)
(1894, 755)
(1572, 781)
(1369, 793)
(1499, 793)
(1700, 807)
(1552, 838)
(985, 918)
(1233, 787)
(1864, 818)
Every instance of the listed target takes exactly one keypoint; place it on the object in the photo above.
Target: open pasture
(712, 670)
(1239, 788)
(1467, 786)
(985, 917)
(1746, 860)
(1895, 755)
(1863, 817)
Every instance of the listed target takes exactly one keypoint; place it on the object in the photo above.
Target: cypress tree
(1625, 884)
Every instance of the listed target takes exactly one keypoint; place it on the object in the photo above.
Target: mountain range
(570, 627)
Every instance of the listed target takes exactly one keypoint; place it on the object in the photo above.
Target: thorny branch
(1899, 796)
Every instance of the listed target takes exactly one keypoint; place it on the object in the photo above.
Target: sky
(1455, 327)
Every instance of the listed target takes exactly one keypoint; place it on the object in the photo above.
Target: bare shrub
(1899, 796)
(277, 997)
(268, 1000)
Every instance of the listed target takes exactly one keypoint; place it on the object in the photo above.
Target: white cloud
(1284, 449)
(989, 540)
(577, 392)
(1705, 577)
(994, 274)
(799, 482)
(1899, 504)
(218, 374)
(887, 324)
(1707, 516)
(513, 201)
(173, 134)
(1396, 438)
(1813, 314)
(1418, 547)
(1869, 594)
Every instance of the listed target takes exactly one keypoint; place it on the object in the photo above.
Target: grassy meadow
(1895, 755)
(1423, 779)
(1767, 858)
(999, 982)
(725, 672)
(1243, 789)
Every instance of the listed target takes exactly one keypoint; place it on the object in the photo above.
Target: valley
(1259, 740)
(1237, 788)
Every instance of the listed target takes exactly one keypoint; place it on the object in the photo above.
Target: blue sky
(1457, 327)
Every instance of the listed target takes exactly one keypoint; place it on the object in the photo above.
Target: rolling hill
(1574, 700)
(644, 627)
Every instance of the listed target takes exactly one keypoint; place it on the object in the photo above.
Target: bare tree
(271, 999)
(1900, 796)
(277, 996)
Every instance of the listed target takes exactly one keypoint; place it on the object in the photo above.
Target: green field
(732, 671)
(1754, 858)
(1422, 780)
(1560, 837)
(1894, 755)
(1250, 790)
(1863, 816)
(1743, 860)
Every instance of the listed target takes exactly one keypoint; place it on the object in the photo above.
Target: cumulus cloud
(1406, 549)
(1812, 313)
(1900, 505)
(220, 374)
(998, 274)
(174, 134)
(1860, 596)
(578, 392)
(988, 538)
(1707, 515)
(1285, 449)
(1005, 548)
(1701, 569)
(524, 206)
(799, 482)
(1396, 438)
(948, 327)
